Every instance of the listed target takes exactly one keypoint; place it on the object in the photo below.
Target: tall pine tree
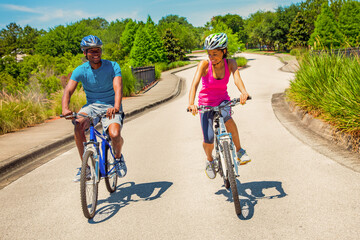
(172, 46)
(298, 33)
(326, 31)
(349, 22)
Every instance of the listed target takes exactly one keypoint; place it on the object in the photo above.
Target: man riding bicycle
(102, 83)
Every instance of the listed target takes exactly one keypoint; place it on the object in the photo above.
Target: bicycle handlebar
(74, 115)
(231, 103)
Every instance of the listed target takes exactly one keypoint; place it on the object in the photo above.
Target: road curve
(288, 191)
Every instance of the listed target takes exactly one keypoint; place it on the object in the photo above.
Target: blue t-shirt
(98, 83)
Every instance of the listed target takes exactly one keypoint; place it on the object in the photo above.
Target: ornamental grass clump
(328, 87)
(21, 110)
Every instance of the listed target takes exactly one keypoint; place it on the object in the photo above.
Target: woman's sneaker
(210, 169)
(242, 157)
(120, 166)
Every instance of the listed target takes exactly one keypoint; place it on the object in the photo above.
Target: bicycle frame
(99, 158)
(222, 135)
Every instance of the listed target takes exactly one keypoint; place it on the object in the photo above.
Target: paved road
(288, 191)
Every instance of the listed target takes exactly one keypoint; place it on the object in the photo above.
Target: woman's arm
(238, 81)
(200, 71)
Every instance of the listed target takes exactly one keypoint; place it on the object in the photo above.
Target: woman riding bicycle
(215, 74)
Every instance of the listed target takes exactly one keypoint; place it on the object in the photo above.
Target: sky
(46, 14)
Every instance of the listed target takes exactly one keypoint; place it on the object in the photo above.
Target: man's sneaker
(120, 166)
(77, 176)
(242, 157)
(210, 169)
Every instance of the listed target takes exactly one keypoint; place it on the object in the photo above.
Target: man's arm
(68, 91)
(118, 89)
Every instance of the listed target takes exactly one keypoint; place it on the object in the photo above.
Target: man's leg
(81, 124)
(116, 139)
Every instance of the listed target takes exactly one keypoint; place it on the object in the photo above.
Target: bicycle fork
(95, 149)
(225, 136)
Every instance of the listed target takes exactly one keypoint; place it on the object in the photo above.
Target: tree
(10, 39)
(261, 27)
(174, 19)
(282, 23)
(172, 47)
(235, 23)
(326, 32)
(336, 6)
(29, 38)
(298, 33)
(349, 22)
(310, 10)
(138, 53)
(128, 37)
(62, 39)
(113, 32)
(156, 51)
(187, 36)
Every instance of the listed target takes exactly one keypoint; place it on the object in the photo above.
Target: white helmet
(216, 41)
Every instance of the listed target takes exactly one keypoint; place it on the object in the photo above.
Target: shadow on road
(127, 193)
(250, 193)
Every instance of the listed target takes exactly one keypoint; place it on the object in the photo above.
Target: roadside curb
(40, 151)
(316, 133)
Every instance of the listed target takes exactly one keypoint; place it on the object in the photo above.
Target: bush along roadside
(327, 86)
(41, 98)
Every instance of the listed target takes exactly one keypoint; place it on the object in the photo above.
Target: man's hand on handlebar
(67, 114)
(110, 113)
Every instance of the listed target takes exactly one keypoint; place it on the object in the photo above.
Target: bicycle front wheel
(231, 177)
(111, 176)
(88, 185)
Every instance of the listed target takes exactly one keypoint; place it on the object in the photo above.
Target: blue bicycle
(98, 162)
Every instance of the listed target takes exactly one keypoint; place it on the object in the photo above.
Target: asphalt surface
(289, 191)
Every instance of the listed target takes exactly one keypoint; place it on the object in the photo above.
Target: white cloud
(19, 8)
(40, 15)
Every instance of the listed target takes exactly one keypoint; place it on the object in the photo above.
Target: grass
(241, 61)
(328, 87)
(22, 110)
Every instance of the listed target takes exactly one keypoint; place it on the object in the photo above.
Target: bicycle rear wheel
(111, 177)
(88, 185)
(231, 177)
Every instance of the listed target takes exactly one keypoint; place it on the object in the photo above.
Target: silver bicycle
(225, 157)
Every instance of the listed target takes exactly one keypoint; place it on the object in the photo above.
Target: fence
(146, 75)
(346, 51)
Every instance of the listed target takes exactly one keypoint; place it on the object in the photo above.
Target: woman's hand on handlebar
(243, 98)
(193, 109)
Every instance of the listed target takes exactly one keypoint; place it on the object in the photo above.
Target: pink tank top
(214, 91)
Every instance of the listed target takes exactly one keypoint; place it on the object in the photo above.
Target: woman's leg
(232, 128)
(208, 148)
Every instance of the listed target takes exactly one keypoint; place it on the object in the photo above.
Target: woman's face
(215, 56)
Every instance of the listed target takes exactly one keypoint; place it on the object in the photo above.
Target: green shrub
(130, 83)
(241, 61)
(328, 86)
